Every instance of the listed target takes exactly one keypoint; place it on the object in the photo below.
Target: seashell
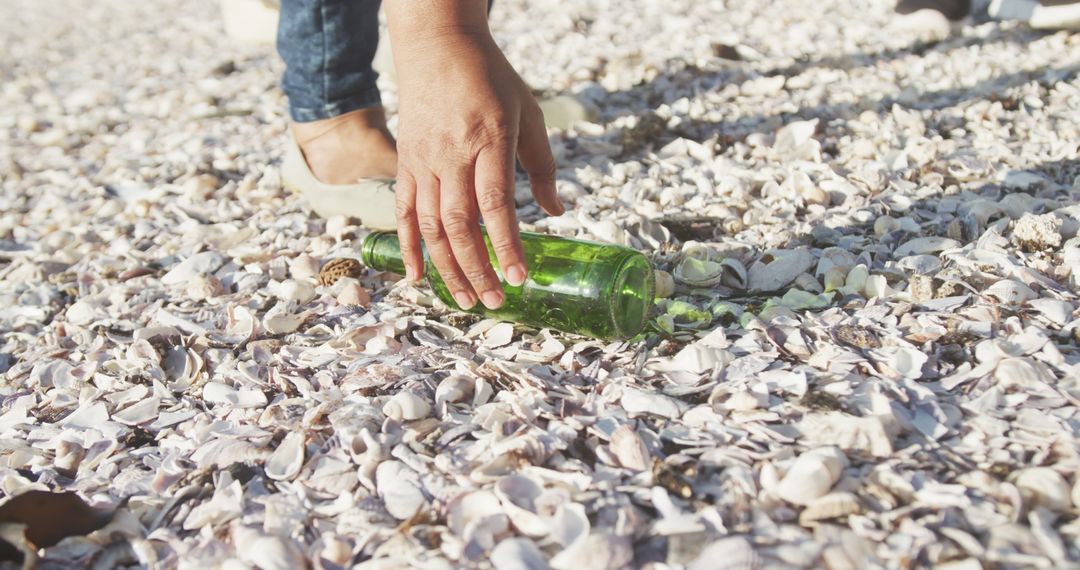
(335, 269)
(742, 401)
(1076, 491)
(81, 312)
(294, 290)
(466, 509)
(876, 286)
(198, 264)
(1011, 293)
(665, 284)
(69, 455)
(304, 267)
(226, 504)
(499, 335)
(901, 361)
(885, 225)
(925, 245)
(835, 278)
(778, 268)
(202, 287)
(518, 494)
(1058, 313)
(1043, 486)
(698, 266)
(729, 553)
(268, 551)
(88, 416)
(628, 449)
(641, 402)
(811, 475)
(283, 323)
(794, 141)
(830, 506)
(139, 413)
(354, 294)
(808, 283)
(1017, 204)
(518, 554)
(406, 406)
(454, 389)
(285, 462)
(857, 278)
(181, 366)
(921, 264)
(398, 488)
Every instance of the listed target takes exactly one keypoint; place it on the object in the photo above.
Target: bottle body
(595, 289)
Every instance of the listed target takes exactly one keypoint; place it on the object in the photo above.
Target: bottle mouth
(632, 295)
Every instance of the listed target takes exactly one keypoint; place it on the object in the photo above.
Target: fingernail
(464, 300)
(492, 299)
(515, 275)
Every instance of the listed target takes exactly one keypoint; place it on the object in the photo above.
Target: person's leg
(338, 120)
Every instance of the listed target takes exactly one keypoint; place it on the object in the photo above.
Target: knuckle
(477, 275)
(493, 201)
(430, 228)
(458, 222)
(405, 210)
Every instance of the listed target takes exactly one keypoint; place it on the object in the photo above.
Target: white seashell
(1045, 487)
(518, 554)
(901, 361)
(304, 266)
(198, 264)
(628, 449)
(295, 290)
(398, 488)
(665, 284)
(499, 335)
(454, 389)
(1059, 313)
(518, 494)
(202, 287)
(729, 553)
(406, 406)
(1016, 204)
(885, 225)
(742, 401)
(876, 286)
(794, 141)
(285, 462)
(353, 293)
(69, 455)
(811, 475)
(283, 323)
(640, 402)
(778, 268)
(857, 278)
(81, 312)
(225, 505)
(466, 509)
(139, 413)
(830, 506)
(268, 551)
(218, 393)
(866, 434)
(1076, 491)
(1011, 293)
(925, 245)
(698, 266)
(921, 264)
(89, 416)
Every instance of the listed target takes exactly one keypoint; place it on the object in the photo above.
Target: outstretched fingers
(494, 175)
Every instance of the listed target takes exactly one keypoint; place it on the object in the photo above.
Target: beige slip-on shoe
(370, 200)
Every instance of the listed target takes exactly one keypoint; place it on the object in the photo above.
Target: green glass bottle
(595, 289)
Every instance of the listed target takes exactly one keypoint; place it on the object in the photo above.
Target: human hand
(464, 114)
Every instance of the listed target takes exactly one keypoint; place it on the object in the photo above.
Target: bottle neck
(382, 251)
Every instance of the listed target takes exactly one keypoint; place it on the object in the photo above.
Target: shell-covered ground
(869, 356)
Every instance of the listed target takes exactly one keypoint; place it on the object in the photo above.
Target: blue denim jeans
(328, 47)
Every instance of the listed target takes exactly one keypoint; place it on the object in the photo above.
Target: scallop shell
(629, 450)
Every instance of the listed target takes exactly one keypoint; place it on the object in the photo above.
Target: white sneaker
(253, 22)
(370, 200)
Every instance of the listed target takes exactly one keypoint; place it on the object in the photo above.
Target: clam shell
(398, 488)
(1045, 487)
(628, 449)
(778, 268)
(830, 506)
(285, 462)
(811, 475)
(665, 284)
(518, 554)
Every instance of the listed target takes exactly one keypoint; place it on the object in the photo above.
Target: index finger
(494, 175)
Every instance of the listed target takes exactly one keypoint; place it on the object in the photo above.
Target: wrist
(418, 26)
